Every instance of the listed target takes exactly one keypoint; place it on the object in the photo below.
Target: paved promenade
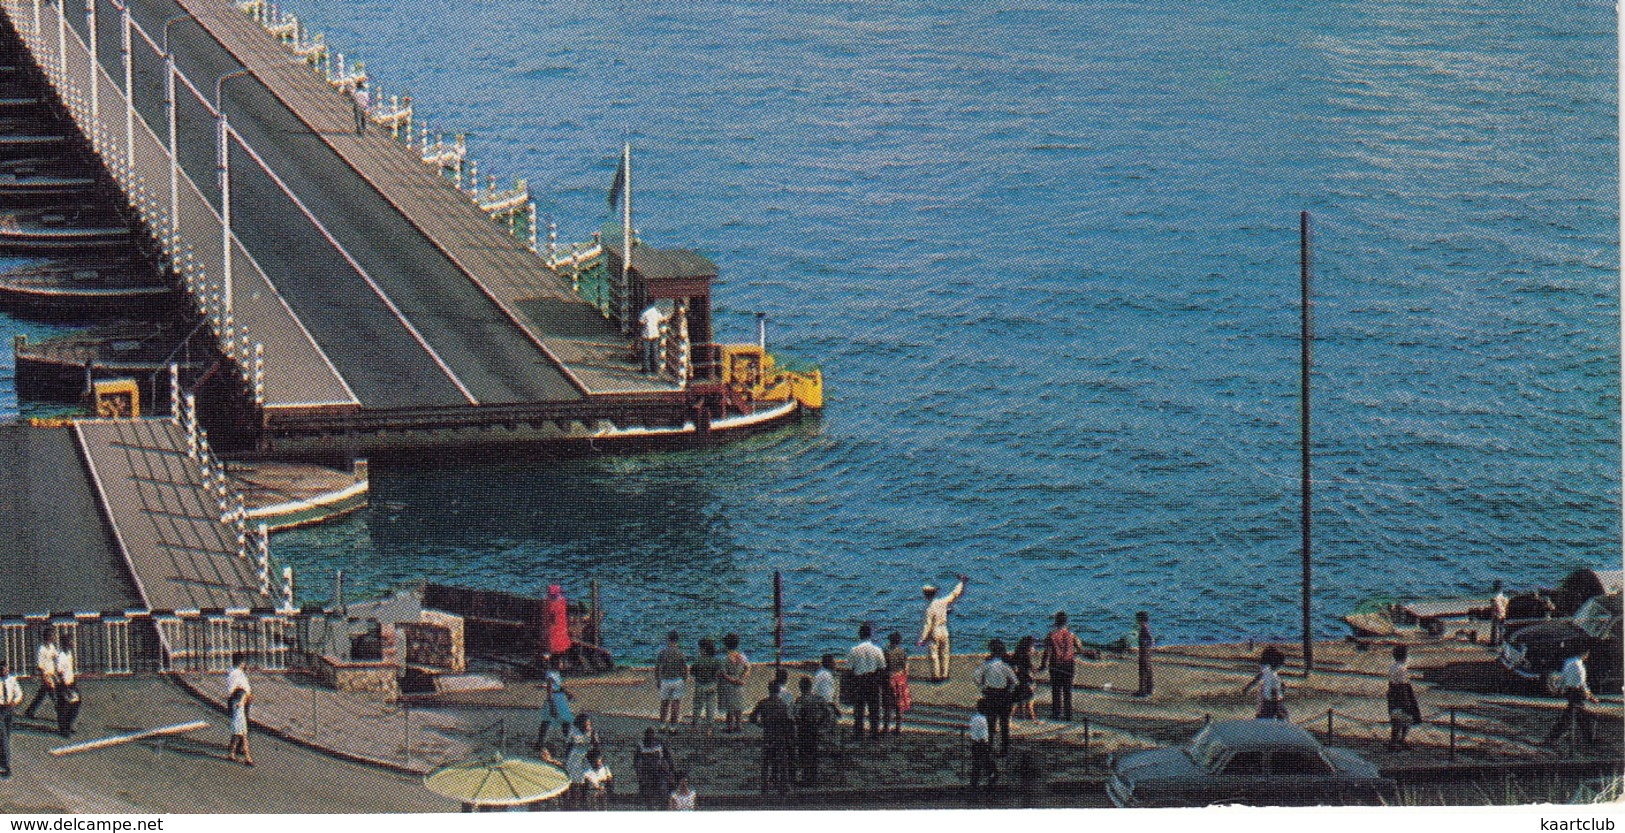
(190, 773)
(1059, 763)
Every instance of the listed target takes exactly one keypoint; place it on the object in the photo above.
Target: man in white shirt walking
(361, 102)
(67, 689)
(1498, 615)
(45, 664)
(868, 666)
(998, 683)
(935, 630)
(1577, 690)
(11, 697)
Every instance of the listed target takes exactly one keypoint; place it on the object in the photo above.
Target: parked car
(1538, 651)
(1258, 762)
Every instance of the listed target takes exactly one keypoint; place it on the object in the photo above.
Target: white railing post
(95, 77)
(189, 418)
(175, 393)
(61, 48)
(129, 90)
(259, 373)
(684, 347)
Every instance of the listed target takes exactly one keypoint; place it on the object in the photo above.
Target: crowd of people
(799, 716)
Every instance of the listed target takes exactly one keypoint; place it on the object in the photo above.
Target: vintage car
(1256, 762)
(1538, 651)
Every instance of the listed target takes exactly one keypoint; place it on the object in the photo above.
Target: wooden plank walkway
(165, 526)
(587, 348)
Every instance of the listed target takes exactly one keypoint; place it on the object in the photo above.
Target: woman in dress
(1022, 663)
(731, 685)
(555, 703)
(1403, 709)
(1271, 691)
(238, 696)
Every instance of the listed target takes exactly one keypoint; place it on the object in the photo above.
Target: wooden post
(1329, 732)
(596, 616)
(1452, 733)
(1307, 337)
(778, 619)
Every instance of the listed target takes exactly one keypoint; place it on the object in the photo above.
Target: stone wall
(377, 678)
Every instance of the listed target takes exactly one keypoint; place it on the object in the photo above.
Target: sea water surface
(1047, 255)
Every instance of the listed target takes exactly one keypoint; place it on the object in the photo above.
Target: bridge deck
(437, 306)
(55, 552)
(168, 532)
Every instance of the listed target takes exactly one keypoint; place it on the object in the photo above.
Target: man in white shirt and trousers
(1579, 693)
(11, 697)
(69, 700)
(67, 689)
(651, 319)
(935, 631)
(868, 666)
(981, 748)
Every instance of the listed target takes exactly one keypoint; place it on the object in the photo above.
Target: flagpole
(626, 228)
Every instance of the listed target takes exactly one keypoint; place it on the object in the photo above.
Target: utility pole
(1306, 338)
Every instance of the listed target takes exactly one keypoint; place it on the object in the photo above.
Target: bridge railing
(184, 223)
(140, 641)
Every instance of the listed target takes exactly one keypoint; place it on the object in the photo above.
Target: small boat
(81, 288)
(56, 369)
(1389, 617)
(30, 140)
(61, 229)
(43, 175)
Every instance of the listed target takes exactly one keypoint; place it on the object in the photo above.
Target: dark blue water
(1047, 255)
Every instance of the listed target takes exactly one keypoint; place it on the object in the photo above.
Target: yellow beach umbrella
(497, 781)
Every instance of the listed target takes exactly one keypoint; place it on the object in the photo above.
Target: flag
(618, 187)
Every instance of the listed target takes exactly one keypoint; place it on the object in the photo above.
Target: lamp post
(1306, 341)
(95, 77)
(223, 169)
(174, 153)
(125, 27)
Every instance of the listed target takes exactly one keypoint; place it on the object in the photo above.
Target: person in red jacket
(558, 621)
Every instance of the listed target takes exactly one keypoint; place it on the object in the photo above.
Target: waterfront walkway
(1061, 763)
(189, 773)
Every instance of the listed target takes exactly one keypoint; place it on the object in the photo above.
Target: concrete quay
(1052, 763)
(189, 773)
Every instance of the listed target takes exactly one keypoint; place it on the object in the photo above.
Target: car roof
(1261, 734)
